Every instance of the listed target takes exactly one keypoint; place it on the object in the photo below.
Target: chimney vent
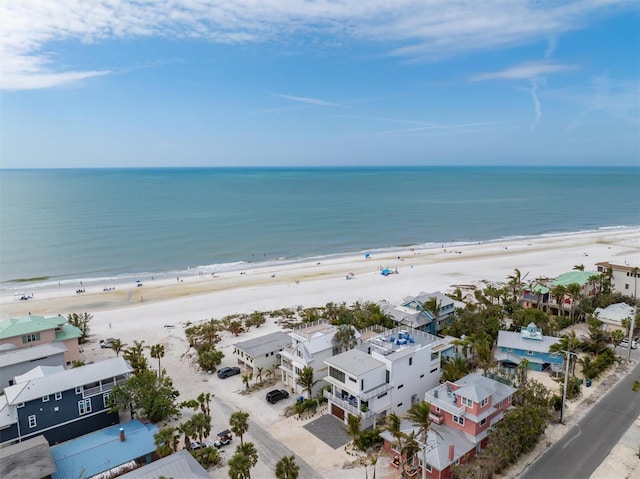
(122, 438)
(451, 450)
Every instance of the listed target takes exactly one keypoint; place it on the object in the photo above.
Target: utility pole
(566, 380)
(634, 271)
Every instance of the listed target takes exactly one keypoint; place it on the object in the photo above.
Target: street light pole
(566, 380)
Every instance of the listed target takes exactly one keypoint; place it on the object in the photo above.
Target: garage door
(337, 412)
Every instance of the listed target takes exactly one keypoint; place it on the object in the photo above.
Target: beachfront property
(584, 279)
(309, 346)
(387, 373)
(624, 277)
(412, 313)
(261, 353)
(462, 413)
(535, 295)
(613, 315)
(32, 330)
(115, 449)
(60, 404)
(531, 345)
(17, 361)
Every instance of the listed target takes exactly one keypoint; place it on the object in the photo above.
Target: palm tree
(117, 346)
(568, 342)
(432, 306)
(353, 427)
(166, 441)
(259, 375)
(305, 379)
(419, 415)
(344, 338)
(239, 422)
(558, 292)
(286, 468)
(579, 267)
(204, 401)
(617, 335)
(246, 378)
(242, 461)
(575, 292)
(135, 356)
(201, 424)
(188, 430)
(515, 283)
(157, 352)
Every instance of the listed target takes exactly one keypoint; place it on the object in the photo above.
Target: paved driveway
(329, 430)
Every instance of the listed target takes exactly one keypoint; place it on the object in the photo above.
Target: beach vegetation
(286, 468)
(344, 338)
(134, 355)
(157, 352)
(255, 319)
(81, 321)
(118, 346)
(455, 368)
(308, 405)
(239, 423)
(209, 358)
(147, 395)
(235, 327)
(369, 439)
(246, 379)
(207, 456)
(166, 441)
(205, 333)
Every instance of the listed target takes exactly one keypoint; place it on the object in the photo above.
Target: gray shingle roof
(476, 387)
(264, 344)
(65, 380)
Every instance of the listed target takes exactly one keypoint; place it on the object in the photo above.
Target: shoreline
(462, 264)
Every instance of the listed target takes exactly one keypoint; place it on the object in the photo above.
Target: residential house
(114, 449)
(33, 330)
(588, 287)
(261, 352)
(535, 295)
(462, 413)
(531, 345)
(387, 373)
(60, 405)
(27, 459)
(180, 465)
(412, 314)
(613, 315)
(16, 361)
(624, 277)
(309, 346)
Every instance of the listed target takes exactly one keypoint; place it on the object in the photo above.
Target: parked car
(224, 373)
(107, 343)
(625, 343)
(277, 394)
(224, 438)
(195, 445)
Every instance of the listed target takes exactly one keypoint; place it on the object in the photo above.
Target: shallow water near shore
(107, 225)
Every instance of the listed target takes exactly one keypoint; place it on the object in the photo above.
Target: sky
(118, 83)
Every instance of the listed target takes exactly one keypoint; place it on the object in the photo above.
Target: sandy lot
(141, 313)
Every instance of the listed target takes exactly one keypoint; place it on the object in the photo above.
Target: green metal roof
(538, 288)
(68, 331)
(13, 327)
(579, 277)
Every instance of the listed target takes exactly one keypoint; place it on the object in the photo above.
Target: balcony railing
(103, 388)
(365, 396)
(444, 399)
(436, 417)
(346, 405)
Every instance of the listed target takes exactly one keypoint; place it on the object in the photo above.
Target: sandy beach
(132, 312)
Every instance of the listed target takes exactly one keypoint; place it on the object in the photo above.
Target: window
(530, 353)
(459, 420)
(334, 373)
(382, 395)
(84, 406)
(30, 338)
(484, 402)
(467, 402)
(353, 380)
(433, 370)
(78, 389)
(421, 376)
(626, 286)
(410, 361)
(105, 399)
(32, 421)
(58, 396)
(483, 421)
(427, 467)
(21, 404)
(45, 398)
(399, 405)
(509, 399)
(437, 409)
(401, 386)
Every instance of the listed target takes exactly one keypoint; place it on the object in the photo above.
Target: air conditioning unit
(56, 409)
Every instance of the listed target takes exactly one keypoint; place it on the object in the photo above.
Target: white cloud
(536, 102)
(525, 71)
(409, 28)
(310, 101)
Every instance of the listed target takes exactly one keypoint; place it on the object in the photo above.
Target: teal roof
(538, 288)
(579, 277)
(68, 331)
(102, 450)
(13, 327)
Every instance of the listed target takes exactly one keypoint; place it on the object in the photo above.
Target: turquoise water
(98, 224)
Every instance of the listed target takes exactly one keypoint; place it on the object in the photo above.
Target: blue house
(122, 447)
(529, 344)
(60, 404)
(426, 320)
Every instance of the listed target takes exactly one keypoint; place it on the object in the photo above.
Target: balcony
(444, 399)
(365, 396)
(350, 406)
(436, 417)
(103, 388)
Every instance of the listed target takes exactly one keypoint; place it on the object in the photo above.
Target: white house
(625, 278)
(613, 314)
(309, 346)
(386, 373)
(261, 352)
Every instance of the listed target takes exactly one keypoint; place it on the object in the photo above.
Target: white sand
(131, 312)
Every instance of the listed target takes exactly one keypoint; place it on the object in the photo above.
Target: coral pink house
(462, 413)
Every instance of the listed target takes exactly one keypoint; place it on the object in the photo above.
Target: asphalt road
(270, 450)
(587, 444)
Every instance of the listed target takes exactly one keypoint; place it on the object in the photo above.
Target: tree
(209, 358)
(418, 414)
(81, 321)
(239, 422)
(259, 375)
(432, 306)
(617, 335)
(515, 284)
(568, 342)
(235, 327)
(558, 292)
(344, 338)
(455, 368)
(166, 441)
(201, 424)
(147, 395)
(246, 378)
(118, 346)
(286, 468)
(242, 461)
(574, 290)
(305, 379)
(135, 357)
(157, 352)
(353, 427)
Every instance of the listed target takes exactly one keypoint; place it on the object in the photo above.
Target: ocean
(103, 225)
